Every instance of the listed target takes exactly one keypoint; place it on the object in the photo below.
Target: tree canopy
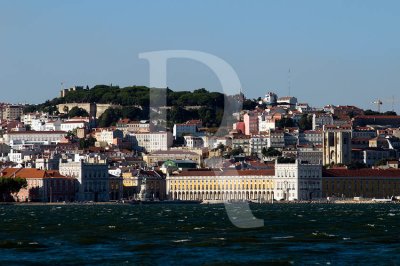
(9, 186)
(135, 104)
(370, 112)
(285, 122)
(270, 152)
(76, 111)
(305, 122)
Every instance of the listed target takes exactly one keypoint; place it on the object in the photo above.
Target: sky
(338, 52)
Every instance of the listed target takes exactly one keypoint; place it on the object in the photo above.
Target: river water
(293, 234)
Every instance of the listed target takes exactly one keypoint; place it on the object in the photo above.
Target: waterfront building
(93, 179)
(367, 183)
(42, 186)
(297, 181)
(225, 184)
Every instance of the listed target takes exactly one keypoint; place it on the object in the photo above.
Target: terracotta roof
(173, 152)
(73, 122)
(229, 172)
(30, 173)
(377, 117)
(36, 132)
(367, 172)
(313, 131)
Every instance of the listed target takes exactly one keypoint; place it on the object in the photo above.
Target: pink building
(43, 186)
(250, 120)
(240, 126)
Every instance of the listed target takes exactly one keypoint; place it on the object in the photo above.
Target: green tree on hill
(110, 117)
(76, 111)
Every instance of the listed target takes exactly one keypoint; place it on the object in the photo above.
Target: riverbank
(210, 202)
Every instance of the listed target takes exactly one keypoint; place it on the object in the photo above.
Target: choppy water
(198, 234)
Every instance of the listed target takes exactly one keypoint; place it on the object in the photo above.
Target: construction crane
(378, 104)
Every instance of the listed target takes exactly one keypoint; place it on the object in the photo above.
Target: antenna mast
(289, 85)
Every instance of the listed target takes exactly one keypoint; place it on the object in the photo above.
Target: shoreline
(370, 201)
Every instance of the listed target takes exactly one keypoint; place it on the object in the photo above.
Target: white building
(115, 171)
(53, 125)
(20, 156)
(296, 181)
(152, 141)
(93, 179)
(72, 125)
(108, 136)
(126, 126)
(270, 98)
(265, 122)
(303, 107)
(287, 102)
(34, 137)
(193, 142)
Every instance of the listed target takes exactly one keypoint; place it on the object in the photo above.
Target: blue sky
(339, 52)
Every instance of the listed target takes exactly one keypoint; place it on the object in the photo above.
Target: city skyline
(336, 52)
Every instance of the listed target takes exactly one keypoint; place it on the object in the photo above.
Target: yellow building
(206, 184)
(367, 183)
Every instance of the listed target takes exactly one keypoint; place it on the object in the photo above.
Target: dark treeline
(135, 102)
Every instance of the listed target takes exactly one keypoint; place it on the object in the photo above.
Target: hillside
(210, 104)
